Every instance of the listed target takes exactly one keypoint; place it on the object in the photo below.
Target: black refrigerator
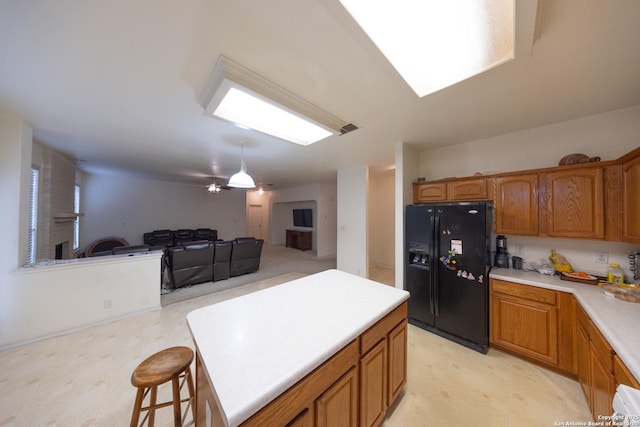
(448, 253)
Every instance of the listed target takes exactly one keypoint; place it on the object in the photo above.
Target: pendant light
(241, 179)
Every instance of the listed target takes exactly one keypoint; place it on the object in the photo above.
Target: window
(76, 223)
(33, 217)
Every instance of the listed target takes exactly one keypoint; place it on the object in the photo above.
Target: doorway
(254, 221)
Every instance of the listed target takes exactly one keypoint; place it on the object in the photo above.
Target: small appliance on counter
(502, 256)
(634, 264)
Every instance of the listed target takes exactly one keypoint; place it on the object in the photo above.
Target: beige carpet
(275, 261)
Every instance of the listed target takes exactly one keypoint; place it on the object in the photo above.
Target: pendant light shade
(241, 179)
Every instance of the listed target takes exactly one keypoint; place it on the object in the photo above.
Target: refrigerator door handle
(434, 265)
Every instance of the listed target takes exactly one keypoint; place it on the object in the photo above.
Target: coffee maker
(502, 257)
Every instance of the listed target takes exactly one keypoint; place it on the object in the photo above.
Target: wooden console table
(298, 239)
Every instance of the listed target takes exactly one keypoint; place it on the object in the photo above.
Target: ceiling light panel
(238, 95)
(435, 44)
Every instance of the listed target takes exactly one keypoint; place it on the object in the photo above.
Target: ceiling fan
(215, 187)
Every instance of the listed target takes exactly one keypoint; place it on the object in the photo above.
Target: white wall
(324, 229)
(407, 169)
(282, 220)
(128, 207)
(609, 135)
(353, 251)
(382, 219)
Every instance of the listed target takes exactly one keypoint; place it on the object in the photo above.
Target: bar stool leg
(177, 411)
(135, 417)
(152, 406)
(191, 392)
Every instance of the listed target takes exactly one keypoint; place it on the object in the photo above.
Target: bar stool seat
(171, 364)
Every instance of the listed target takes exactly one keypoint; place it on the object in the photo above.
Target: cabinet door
(397, 361)
(516, 205)
(575, 203)
(429, 192)
(373, 385)
(305, 419)
(527, 327)
(602, 386)
(338, 405)
(583, 360)
(469, 189)
(631, 200)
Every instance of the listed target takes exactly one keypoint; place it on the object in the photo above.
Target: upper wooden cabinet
(467, 189)
(516, 204)
(574, 203)
(589, 200)
(631, 197)
(425, 192)
(453, 190)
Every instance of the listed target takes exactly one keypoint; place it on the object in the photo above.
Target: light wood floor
(83, 378)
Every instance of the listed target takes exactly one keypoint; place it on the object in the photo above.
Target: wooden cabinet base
(298, 239)
(534, 323)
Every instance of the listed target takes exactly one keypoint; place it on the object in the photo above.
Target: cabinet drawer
(533, 293)
(381, 329)
(603, 350)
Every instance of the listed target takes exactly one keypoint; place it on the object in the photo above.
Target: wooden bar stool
(172, 364)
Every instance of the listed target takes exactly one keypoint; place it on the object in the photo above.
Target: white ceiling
(116, 83)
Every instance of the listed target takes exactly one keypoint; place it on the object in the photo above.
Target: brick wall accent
(56, 197)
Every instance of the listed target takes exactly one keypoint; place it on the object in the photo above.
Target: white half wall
(52, 300)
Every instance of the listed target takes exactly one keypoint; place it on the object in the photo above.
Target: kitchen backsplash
(581, 254)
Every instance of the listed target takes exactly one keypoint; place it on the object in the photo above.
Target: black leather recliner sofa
(245, 255)
(221, 260)
(169, 238)
(159, 238)
(190, 263)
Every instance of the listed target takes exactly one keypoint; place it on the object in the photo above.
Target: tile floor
(82, 378)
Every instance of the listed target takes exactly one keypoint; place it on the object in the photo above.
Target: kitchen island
(325, 348)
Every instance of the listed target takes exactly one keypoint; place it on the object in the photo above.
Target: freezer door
(462, 283)
(419, 285)
(419, 252)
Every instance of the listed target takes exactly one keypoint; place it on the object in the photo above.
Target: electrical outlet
(519, 249)
(107, 303)
(601, 257)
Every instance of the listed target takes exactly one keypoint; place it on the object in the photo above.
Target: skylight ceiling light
(435, 44)
(240, 96)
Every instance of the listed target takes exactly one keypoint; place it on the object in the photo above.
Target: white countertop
(617, 320)
(256, 346)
